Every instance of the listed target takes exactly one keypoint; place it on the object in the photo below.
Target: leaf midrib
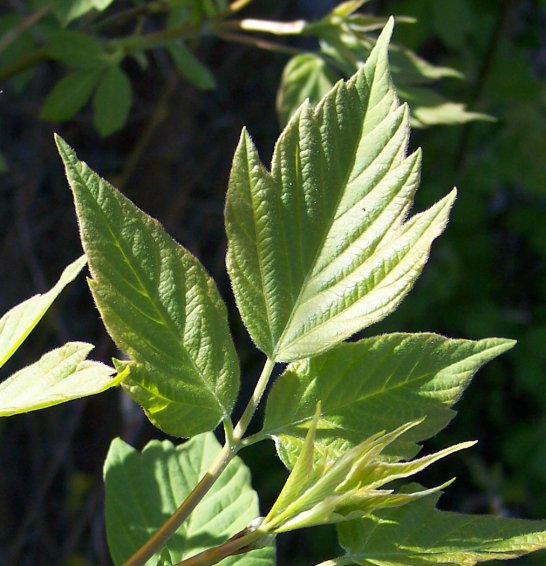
(121, 245)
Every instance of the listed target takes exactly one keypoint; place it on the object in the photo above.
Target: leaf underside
(160, 307)
(60, 375)
(371, 385)
(144, 489)
(19, 322)
(320, 247)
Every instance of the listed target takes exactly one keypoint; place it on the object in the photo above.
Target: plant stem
(237, 544)
(341, 561)
(234, 7)
(228, 452)
(252, 405)
(160, 537)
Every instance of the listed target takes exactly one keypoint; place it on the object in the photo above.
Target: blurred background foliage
(153, 96)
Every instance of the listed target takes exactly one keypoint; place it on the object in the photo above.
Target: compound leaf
(19, 322)
(418, 534)
(58, 376)
(372, 385)
(160, 307)
(144, 488)
(320, 248)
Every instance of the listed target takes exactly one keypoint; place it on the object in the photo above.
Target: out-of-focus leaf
(160, 307)
(61, 375)
(431, 109)
(112, 101)
(418, 534)
(75, 49)
(70, 95)
(144, 488)
(19, 322)
(306, 76)
(191, 68)
(68, 10)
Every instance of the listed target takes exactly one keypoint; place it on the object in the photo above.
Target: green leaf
(371, 385)
(191, 68)
(58, 376)
(305, 76)
(19, 322)
(112, 101)
(144, 489)
(159, 305)
(70, 95)
(75, 49)
(432, 109)
(68, 10)
(319, 248)
(419, 534)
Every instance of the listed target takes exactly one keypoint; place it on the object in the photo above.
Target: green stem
(234, 7)
(252, 405)
(228, 452)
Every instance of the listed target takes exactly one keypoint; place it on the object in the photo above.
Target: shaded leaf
(144, 489)
(75, 49)
(70, 95)
(159, 305)
(191, 68)
(419, 534)
(112, 101)
(58, 376)
(19, 322)
(320, 248)
(371, 385)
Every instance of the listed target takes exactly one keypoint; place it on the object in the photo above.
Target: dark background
(486, 276)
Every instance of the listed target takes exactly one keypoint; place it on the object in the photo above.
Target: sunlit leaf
(371, 385)
(144, 488)
(58, 376)
(160, 307)
(418, 534)
(320, 248)
(18, 322)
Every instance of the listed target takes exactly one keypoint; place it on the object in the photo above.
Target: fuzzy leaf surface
(372, 385)
(320, 248)
(160, 307)
(58, 376)
(144, 488)
(418, 534)
(19, 322)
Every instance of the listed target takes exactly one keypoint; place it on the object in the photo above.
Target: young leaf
(75, 49)
(348, 486)
(418, 534)
(144, 489)
(319, 248)
(58, 376)
(159, 305)
(112, 101)
(70, 94)
(19, 322)
(374, 384)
